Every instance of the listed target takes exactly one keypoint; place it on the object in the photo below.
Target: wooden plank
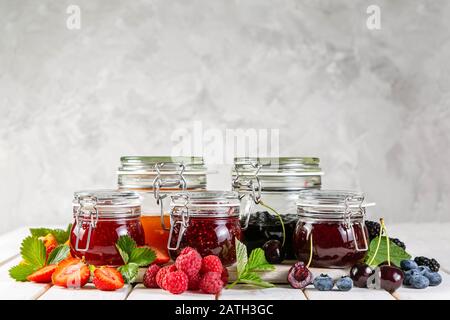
(11, 289)
(441, 292)
(88, 292)
(354, 294)
(10, 244)
(244, 292)
(142, 293)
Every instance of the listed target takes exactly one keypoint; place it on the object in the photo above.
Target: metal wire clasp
(348, 224)
(254, 183)
(158, 182)
(86, 205)
(184, 224)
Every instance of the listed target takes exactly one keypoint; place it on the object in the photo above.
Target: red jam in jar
(101, 217)
(334, 222)
(206, 221)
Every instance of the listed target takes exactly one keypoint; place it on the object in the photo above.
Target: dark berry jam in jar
(332, 223)
(101, 217)
(206, 221)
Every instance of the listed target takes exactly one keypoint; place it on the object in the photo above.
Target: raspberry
(211, 263)
(150, 276)
(224, 276)
(211, 283)
(187, 250)
(190, 262)
(176, 282)
(194, 282)
(162, 273)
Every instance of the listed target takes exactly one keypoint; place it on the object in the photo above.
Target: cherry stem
(388, 247)
(279, 218)
(310, 251)
(378, 244)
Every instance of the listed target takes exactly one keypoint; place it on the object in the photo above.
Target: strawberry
(43, 275)
(161, 257)
(107, 279)
(50, 242)
(71, 273)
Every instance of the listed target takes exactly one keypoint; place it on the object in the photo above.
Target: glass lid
(289, 166)
(167, 164)
(105, 198)
(206, 198)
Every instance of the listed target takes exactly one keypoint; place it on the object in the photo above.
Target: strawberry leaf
(126, 244)
(58, 254)
(22, 271)
(33, 252)
(142, 256)
(61, 235)
(129, 272)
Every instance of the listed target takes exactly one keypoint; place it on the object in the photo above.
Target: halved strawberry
(71, 273)
(50, 243)
(107, 279)
(161, 257)
(43, 275)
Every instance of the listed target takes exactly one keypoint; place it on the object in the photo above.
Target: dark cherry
(391, 278)
(274, 252)
(299, 276)
(359, 273)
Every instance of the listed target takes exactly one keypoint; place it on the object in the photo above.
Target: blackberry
(399, 243)
(373, 228)
(427, 262)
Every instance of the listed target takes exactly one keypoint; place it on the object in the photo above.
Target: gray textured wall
(374, 105)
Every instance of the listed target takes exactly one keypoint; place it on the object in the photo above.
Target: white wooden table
(425, 239)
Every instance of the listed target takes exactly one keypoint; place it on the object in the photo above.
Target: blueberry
(323, 283)
(408, 275)
(419, 282)
(408, 265)
(434, 278)
(344, 283)
(425, 271)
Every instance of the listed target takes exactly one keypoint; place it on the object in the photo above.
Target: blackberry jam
(264, 226)
(101, 217)
(333, 222)
(206, 221)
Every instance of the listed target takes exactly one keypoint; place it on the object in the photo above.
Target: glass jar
(101, 217)
(334, 222)
(276, 182)
(206, 221)
(155, 178)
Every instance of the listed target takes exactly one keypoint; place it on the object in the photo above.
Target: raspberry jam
(206, 221)
(101, 217)
(333, 222)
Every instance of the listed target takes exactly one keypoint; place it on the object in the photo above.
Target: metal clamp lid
(86, 205)
(184, 224)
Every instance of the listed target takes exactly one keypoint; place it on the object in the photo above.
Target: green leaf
(33, 252)
(257, 261)
(58, 254)
(142, 256)
(241, 257)
(126, 244)
(397, 254)
(129, 272)
(254, 279)
(61, 235)
(22, 271)
(123, 254)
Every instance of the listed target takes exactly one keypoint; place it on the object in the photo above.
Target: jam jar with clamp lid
(101, 217)
(276, 183)
(332, 224)
(155, 178)
(206, 221)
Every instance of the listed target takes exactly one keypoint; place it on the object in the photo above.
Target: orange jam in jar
(155, 178)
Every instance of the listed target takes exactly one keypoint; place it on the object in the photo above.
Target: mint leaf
(397, 254)
(257, 261)
(142, 256)
(241, 257)
(61, 235)
(22, 271)
(254, 279)
(58, 254)
(126, 244)
(129, 272)
(33, 252)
